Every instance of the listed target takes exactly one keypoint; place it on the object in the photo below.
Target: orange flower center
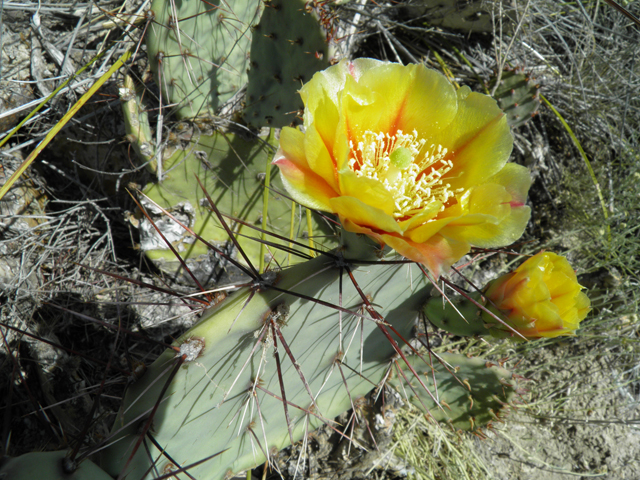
(405, 168)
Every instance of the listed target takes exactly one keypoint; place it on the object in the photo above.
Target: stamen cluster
(412, 173)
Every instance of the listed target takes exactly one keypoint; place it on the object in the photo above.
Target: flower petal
(329, 83)
(478, 139)
(491, 221)
(430, 105)
(292, 147)
(437, 254)
(368, 191)
(427, 230)
(428, 213)
(408, 98)
(363, 215)
(319, 157)
(516, 180)
(305, 186)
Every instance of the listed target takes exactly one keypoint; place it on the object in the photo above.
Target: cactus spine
(274, 361)
(232, 172)
(457, 315)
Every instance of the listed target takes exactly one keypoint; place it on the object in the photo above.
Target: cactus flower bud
(541, 298)
(400, 155)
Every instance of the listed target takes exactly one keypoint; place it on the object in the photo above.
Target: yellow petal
(319, 157)
(305, 187)
(329, 84)
(409, 98)
(429, 105)
(437, 254)
(429, 213)
(491, 220)
(292, 147)
(478, 139)
(368, 191)
(583, 305)
(427, 230)
(516, 180)
(300, 181)
(364, 215)
(361, 111)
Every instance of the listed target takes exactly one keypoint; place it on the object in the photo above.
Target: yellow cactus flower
(400, 155)
(541, 298)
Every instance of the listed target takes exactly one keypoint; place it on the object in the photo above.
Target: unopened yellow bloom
(401, 156)
(541, 298)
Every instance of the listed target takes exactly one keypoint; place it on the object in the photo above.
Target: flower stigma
(411, 173)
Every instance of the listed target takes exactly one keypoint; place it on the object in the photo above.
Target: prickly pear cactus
(137, 121)
(231, 171)
(468, 16)
(267, 366)
(287, 48)
(471, 392)
(198, 51)
(49, 466)
(200, 61)
(517, 95)
(456, 315)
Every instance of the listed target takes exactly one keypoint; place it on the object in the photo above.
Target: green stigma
(401, 158)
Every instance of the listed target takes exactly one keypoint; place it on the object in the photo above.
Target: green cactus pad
(232, 171)
(198, 51)
(136, 121)
(48, 466)
(287, 48)
(468, 16)
(211, 406)
(456, 315)
(517, 95)
(472, 393)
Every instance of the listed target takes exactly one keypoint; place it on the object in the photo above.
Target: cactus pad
(472, 393)
(48, 466)
(287, 48)
(136, 121)
(469, 16)
(457, 315)
(198, 51)
(231, 169)
(517, 95)
(229, 399)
